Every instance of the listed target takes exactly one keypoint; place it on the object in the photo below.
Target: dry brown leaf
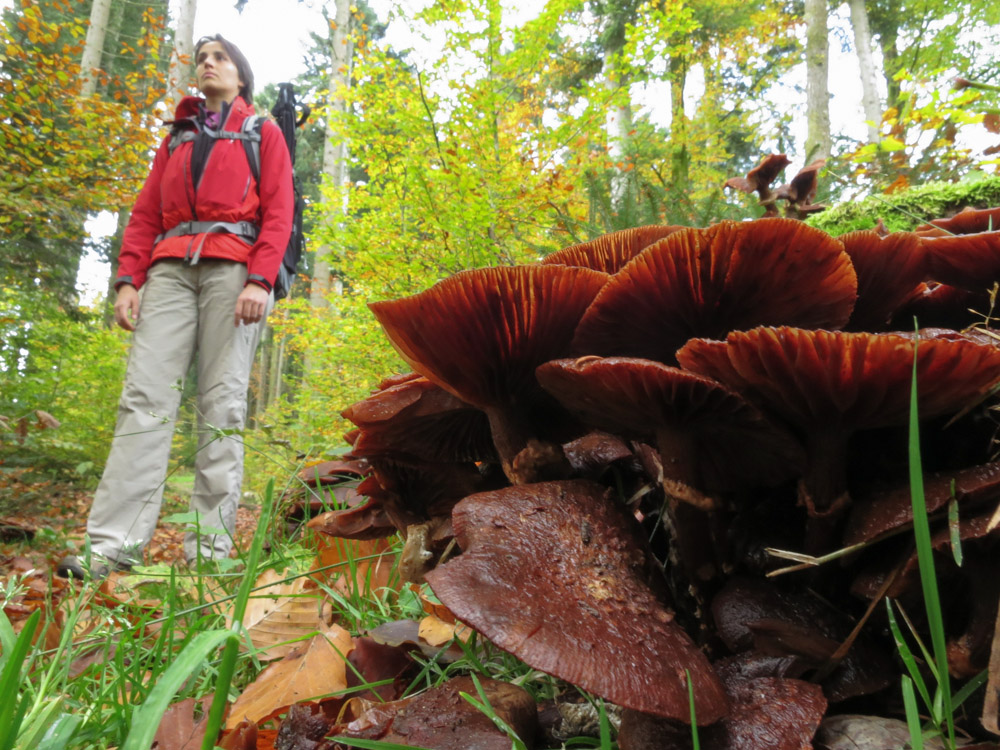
(313, 671)
(281, 615)
(431, 606)
(370, 571)
(178, 729)
(438, 632)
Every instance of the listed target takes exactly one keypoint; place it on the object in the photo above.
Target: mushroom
(801, 190)
(708, 436)
(609, 252)
(967, 221)
(418, 420)
(556, 574)
(829, 384)
(890, 270)
(480, 335)
(707, 282)
(759, 179)
(969, 261)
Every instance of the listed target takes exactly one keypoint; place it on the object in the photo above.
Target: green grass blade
(146, 718)
(954, 529)
(695, 743)
(605, 725)
(60, 733)
(231, 651)
(969, 688)
(912, 715)
(11, 709)
(374, 744)
(925, 555)
(907, 656)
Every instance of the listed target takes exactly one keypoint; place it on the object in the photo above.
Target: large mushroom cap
(967, 221)
(760, 177)
(707, 282)
(555, 574)
(969, 261)
(729, 441)
(609, 252)
(859, 379)
(480, 335)
(890, 269)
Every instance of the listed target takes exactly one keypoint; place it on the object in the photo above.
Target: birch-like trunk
(866, 61)
(335, 152)
(179, 73)
(818, 141)
(90, 63)
(618, 125)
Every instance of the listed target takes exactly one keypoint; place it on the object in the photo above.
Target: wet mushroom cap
(557, 575)
(859, 380)
(969, 261)
(967, 221)
(732, 441)
(890, 269)
(707, 282)
(761, 176)
(609, 252)
(419, 419)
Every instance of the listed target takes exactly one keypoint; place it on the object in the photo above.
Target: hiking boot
(72, 566)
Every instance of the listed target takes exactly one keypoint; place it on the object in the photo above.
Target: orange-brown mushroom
(890, 270)
(830, 384)
(707, 282)
(480, 335)
(609, 252)
(708, 436)
(969, 261)
(759, 179)
(801, 190)
(967, 221)
(556, 574)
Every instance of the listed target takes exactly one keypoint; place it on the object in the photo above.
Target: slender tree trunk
(116, 246)
(818, 141)
(335, 151)
(179, 73)
(679, 160)
(618, 125)
(100, 11)
(866, 62)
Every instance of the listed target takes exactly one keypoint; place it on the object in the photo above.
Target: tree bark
(869, 92)
(100, 11)
(818, 141)
(618, 125)
(179, 73)
(335, 152)
(679, 159)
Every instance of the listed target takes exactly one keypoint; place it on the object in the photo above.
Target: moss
(904, 210)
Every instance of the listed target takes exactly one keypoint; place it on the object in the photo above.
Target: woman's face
(217, 74)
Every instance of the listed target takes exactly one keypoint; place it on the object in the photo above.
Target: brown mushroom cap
(969, 261)
(967, 221)
(829, 384)
(609, 252)
(480, 335)
(889, 269)
(760, 178)
(556, 574)
(802, 188)
(417, 419)
(892, 509)
(707, 282)
(727, 441)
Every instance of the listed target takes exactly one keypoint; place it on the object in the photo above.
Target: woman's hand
(251, 305)
(127, 307)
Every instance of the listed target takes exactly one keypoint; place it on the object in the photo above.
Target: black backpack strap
(250, 135)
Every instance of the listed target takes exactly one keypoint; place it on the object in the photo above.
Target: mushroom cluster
(596, 456)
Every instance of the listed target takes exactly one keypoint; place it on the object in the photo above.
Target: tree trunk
(116, 246)
(100, 11)
(866, 62)
(179, 73)
(817, 81)
(679, 160)
(618, 124)
(335, 150)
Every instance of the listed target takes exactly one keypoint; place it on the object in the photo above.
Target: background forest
(514, 136)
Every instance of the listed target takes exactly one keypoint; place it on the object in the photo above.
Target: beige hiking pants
(185, 310)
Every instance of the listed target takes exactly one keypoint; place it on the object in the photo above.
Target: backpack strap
(250, 135)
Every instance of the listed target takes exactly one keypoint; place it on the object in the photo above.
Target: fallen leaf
(313, 671)
(282, 615)
(362, 567)
(178, 728)
(438, 632)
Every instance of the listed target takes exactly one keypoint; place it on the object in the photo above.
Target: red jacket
(225, 192)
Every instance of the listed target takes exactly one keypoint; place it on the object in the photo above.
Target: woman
(203, 244)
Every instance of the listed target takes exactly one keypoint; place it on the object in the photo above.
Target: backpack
(288, 120)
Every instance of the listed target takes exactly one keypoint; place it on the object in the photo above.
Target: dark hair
(239, 60)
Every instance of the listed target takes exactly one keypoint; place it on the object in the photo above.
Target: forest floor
(42, 520)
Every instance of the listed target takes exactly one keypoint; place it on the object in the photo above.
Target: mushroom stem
(525, 459)
(823, 487)
(678, 454)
